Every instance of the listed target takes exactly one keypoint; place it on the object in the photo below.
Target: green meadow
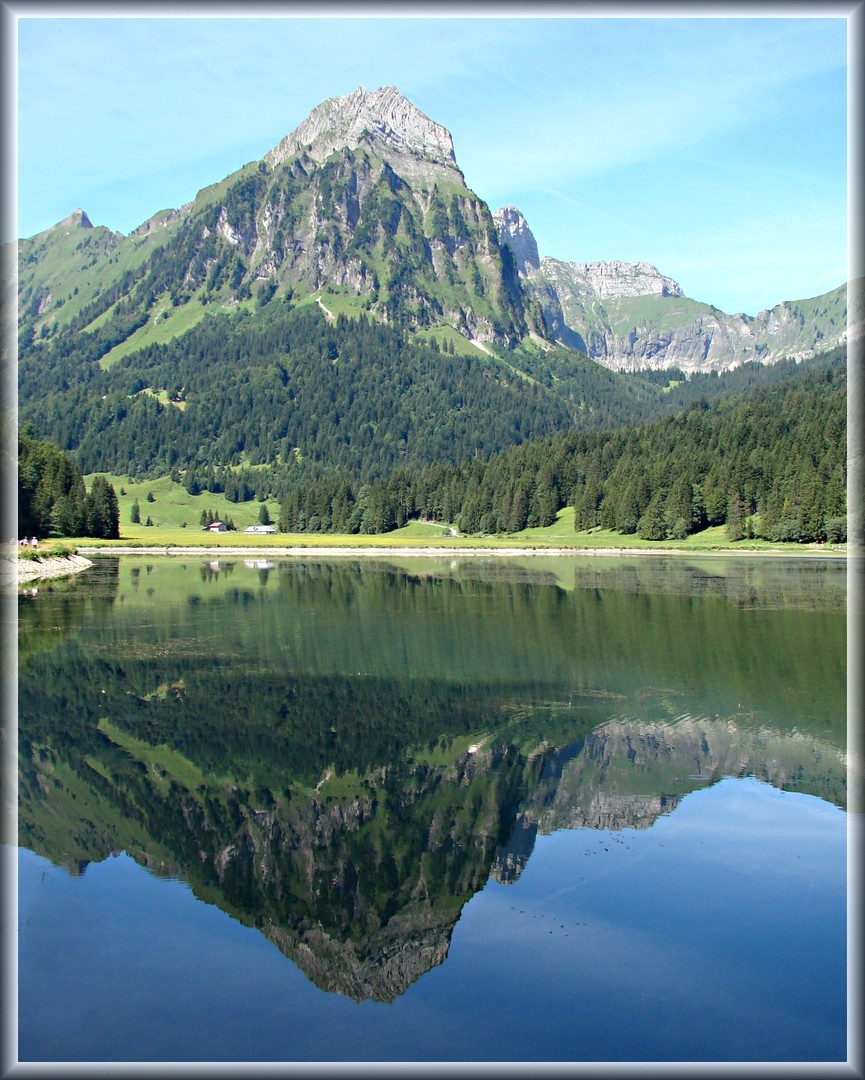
(175, 518)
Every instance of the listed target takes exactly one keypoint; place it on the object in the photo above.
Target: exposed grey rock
(515, 232)
(76, 220)
(379, 968)
(628, 316)
(598, 787)
(601, 308)
(611, 279)
(513, 857)
(383, 120)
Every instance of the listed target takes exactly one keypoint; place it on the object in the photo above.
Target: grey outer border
(10, 10)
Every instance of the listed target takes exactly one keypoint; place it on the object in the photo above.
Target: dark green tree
(101, 512)
(651, 525)
(735, 527)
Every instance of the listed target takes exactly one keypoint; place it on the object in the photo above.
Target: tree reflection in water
(341, 756)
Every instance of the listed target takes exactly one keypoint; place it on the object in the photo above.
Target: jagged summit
(76, 220)
(515, 232)
(382, 118)
(605, 279)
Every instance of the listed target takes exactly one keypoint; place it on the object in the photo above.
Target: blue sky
(715, 148)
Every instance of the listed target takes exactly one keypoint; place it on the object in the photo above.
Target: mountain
(363, 202)
(362, 891)
(393, 129)
(347, 302)
(630, 317)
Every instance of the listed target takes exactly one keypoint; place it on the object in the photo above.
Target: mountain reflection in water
(342, 756)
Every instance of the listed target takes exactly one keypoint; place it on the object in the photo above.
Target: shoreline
(50, 568)
(432, 551)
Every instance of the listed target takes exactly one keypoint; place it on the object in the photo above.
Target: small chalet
(216, 526)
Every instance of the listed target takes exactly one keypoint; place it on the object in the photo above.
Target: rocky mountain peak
(76, 220)
(383, 119)
(515, 232)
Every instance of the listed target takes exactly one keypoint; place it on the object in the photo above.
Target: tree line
(53, 499)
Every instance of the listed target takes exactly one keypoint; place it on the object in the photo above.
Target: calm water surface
(428, 810)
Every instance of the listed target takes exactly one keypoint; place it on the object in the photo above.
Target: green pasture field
(176, 517)
(174, 509)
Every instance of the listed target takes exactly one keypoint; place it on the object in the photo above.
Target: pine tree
(519, 511)
(735, 528)
(651, 525)
(101, 511)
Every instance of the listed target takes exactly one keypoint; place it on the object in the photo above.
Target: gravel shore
(31, 570)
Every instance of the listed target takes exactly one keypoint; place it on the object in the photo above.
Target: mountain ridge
(238, 331)
(365, 197)
(628, 316)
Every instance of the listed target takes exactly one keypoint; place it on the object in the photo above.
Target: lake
(580, 809)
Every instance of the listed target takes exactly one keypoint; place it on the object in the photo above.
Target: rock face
(629, 772)
(515, 232)
(381, 967)
(613, 279)
(76, 220)
(366, 184)
(382, 120)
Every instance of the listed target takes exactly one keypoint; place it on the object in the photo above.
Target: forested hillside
(291, 388)
(256, 404)
(770, 463)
